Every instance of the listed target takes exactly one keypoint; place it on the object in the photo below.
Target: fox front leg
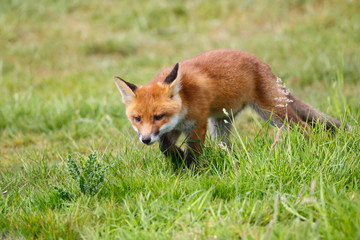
(194, 145)
(167, 146)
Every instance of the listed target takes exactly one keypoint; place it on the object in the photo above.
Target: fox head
(153, 109)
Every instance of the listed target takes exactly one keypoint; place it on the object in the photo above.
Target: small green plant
(88, 175)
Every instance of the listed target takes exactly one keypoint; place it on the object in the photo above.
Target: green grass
(58, 99)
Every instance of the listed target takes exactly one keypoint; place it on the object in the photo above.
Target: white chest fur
(185, 126)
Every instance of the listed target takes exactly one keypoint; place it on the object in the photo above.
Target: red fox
(194, 93)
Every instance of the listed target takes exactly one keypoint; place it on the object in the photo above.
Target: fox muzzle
(146, 140)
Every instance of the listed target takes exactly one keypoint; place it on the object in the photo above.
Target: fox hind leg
(278, 115)
(267, 114)
(220, 131)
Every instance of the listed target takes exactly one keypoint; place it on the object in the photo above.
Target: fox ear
(174, 79)
(126, 89)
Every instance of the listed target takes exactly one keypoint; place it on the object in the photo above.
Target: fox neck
(175, 121)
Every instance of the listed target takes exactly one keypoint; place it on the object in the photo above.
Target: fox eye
(159, 117)
(137, 119)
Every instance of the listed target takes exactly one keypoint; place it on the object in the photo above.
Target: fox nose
(146, 140)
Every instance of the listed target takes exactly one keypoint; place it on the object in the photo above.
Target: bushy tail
(311, 115)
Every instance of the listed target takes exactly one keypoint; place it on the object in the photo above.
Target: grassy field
(58, 99)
